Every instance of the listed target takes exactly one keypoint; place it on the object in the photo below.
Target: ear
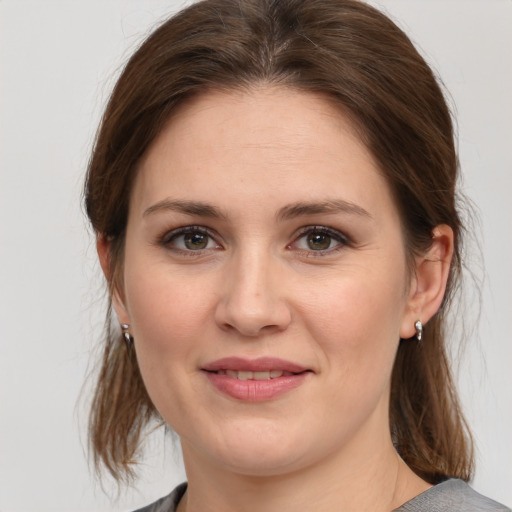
(104, 254)
(428, 282)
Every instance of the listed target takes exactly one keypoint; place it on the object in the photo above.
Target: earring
(128, 338)
(419, 330)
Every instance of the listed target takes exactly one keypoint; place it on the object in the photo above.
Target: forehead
(261, 118)
(271, 140)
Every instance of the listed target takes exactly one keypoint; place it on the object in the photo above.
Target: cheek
(169, 316)
(167, 310)
(357, 323)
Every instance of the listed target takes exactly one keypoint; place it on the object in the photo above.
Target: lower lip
(255, 390)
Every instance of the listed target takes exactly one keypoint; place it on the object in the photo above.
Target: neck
(378, 481)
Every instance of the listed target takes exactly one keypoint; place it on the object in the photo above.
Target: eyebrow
(197, 208)
(291, 211)
(332, 206)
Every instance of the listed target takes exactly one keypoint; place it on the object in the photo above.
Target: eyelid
(169, 235)
(337, 235)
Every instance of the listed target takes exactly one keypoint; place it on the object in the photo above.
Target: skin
(336, 304)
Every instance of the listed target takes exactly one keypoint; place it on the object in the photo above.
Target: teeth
(243, 375)
(261, 376)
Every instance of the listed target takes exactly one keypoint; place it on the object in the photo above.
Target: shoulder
(452, 496)
(167, 504)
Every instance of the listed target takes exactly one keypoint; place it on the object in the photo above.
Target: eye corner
(192, 240)
(317, 240)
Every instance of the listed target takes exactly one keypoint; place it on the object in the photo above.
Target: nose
(253, 301)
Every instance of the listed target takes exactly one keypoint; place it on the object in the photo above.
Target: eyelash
(342, 240)
(171, 236)
(168, 237)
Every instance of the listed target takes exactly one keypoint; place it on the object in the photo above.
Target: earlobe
(103, 248)
(429, 281)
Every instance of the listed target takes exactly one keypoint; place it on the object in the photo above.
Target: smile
(247, 375)
(255, 380)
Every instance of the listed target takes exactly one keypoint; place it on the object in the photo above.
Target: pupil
(196, 241)
(319, 241)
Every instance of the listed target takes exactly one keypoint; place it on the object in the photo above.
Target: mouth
(261, 368)
(255, 380)
(248, 375)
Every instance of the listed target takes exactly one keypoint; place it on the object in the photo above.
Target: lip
(255, 390)
(261, 364)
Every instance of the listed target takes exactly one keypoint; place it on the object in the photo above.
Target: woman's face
(265, 282)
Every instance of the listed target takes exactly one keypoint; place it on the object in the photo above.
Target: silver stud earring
(128, 338)
(419, 330)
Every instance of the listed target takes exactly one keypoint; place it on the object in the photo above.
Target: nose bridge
(253, 300)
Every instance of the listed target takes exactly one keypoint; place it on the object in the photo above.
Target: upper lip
(260, 364)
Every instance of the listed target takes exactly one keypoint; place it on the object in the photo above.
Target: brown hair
(357, 56)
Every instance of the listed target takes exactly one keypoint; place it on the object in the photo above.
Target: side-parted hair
(356, 56)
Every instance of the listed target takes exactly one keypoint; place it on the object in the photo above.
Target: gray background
(58, 62)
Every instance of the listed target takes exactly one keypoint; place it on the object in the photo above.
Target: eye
(319, 239)
(190, 238)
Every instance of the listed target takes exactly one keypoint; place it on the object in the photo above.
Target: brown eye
(318, 241)
(189, 239)
(195, 241)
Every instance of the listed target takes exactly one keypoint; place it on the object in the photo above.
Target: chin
(262, 450)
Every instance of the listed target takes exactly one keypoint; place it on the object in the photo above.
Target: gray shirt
(449, 496)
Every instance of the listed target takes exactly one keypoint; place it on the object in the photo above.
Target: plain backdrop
(58, 63)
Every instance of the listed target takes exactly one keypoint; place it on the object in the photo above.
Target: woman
(273, 191)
